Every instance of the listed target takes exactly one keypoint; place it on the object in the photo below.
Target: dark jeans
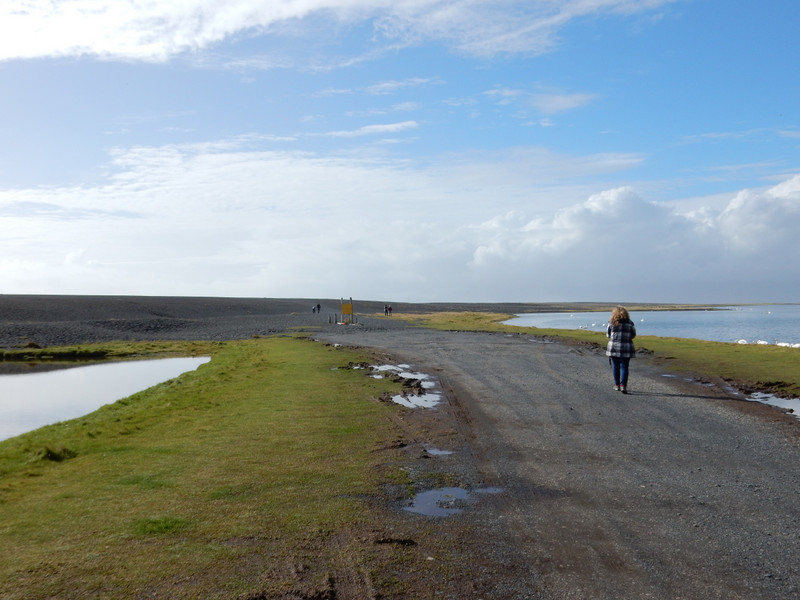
(620, 366)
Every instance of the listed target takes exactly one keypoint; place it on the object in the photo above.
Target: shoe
(624, 390)
(616, 387)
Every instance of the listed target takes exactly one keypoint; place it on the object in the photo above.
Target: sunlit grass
(108, 350)
(219, 482)
(262, 451)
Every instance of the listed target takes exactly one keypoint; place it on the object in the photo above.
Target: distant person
(319, 308)
(390, 310)
(385, 310)
(620, 350)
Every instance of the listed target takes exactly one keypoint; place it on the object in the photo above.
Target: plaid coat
(620, 342)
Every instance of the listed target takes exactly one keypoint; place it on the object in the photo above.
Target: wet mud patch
(443, 484)
(420, 390)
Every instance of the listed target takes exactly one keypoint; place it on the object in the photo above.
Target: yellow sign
(347, 309)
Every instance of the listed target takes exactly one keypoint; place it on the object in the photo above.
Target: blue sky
(434, 150)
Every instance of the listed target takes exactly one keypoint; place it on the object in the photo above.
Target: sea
(777, 324)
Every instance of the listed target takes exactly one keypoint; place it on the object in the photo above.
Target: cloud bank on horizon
(428, 150)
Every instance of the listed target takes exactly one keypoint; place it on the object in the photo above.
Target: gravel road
(672, 491)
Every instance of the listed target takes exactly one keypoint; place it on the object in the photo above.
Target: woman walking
(620, 350)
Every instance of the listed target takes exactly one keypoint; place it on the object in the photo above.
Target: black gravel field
(45, 321)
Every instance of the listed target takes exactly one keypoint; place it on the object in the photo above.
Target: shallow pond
(31, 400)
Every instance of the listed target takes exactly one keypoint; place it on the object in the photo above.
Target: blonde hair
(619, 314)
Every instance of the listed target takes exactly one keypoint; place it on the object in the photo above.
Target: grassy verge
(260, 475)
(752, 367)
(110, 351)
(248, 478)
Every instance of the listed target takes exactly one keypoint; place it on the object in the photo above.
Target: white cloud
(755, 221)
(154, 30)
(399, 107)
(549, 103)
(217, 219)
(540, 123)
(375, 129)
(390, 87)
(555, 103)
(333, 92)
(504, 95)
(616, 245)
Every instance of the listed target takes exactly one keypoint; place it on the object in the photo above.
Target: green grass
(111, 350)
(210, 485)
(757, 367)
(253, 476)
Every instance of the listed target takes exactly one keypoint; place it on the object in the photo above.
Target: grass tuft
(160, 525)
(57, 454)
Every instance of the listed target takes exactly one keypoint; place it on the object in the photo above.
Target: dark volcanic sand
(69, 320)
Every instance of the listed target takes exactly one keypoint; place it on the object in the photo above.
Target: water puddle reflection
(31, 400)
(443, 502)
(791, 405)
(437, 452)
(421, 401)
(425, 395)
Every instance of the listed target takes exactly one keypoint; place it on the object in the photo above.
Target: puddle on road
(443, 502)
(429, 398)
(437, 452)
(439, 503)
(422, 401)
(791, 405)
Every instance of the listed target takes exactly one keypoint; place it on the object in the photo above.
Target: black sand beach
(69, 320)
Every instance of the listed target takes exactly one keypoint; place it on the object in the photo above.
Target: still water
(31, 400)
(771, 324)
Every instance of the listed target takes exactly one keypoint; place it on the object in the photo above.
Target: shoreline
(755, 324)
(41, 321)
(69, 320)
(32, 322)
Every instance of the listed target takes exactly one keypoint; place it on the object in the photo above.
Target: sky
(402, 150)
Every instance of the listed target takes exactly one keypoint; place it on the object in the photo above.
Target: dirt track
(673, 491)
